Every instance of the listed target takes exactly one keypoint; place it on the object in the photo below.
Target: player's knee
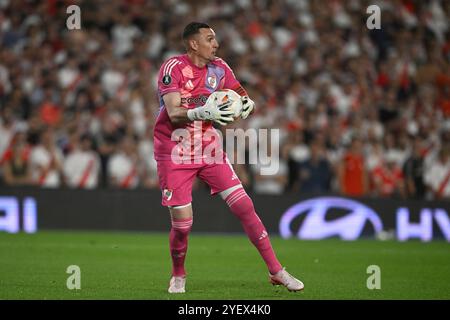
(182, 227)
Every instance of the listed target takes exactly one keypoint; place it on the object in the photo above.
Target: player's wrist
(192, 114)
(196, 114)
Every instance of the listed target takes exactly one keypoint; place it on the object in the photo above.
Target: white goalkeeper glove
(247, 107)
(221, 113)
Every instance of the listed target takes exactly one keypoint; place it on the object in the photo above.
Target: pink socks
(178, 241)
(242, 206)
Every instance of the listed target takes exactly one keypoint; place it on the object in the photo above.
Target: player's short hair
(193, 28)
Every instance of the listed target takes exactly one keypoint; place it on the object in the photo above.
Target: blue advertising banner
(311, 217)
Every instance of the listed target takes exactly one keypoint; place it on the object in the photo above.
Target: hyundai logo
(315, 226)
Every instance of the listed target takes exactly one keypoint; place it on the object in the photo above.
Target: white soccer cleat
(283, 277)
(177, 285)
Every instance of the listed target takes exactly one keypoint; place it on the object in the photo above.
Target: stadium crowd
(360, 112)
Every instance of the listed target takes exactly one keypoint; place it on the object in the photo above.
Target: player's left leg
(223, 180)
(242, 207)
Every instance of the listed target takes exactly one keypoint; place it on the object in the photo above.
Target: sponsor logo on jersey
(199, 100)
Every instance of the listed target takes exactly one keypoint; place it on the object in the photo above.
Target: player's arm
(177, 114)
(221, 114)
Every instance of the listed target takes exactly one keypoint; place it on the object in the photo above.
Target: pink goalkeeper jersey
(179, 74)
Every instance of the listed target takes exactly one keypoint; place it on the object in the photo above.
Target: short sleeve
(169, 79)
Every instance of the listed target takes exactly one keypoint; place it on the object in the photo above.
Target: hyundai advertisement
(306, 217)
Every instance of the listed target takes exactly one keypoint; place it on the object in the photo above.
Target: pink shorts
(175, 180)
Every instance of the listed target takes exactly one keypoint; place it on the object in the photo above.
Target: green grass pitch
(137, 266)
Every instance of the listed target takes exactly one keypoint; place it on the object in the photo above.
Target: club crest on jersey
(167, 79)
(212, 81)
(167, 194)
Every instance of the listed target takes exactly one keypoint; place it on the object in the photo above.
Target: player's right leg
(181, 218)
(176, 185)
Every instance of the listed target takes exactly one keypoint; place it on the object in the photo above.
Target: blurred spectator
(82, 165)
(352, 173)
(315, 173)
(275, 182)
(374, 152)
(15, 163)
(123, 33)
(413, 171)
(46, 161)
(388, 177)
(146, 157)
(295, 151)
(6, 132)
(107, 140)
(325, 75)
(51, 113)
(123, 167)
(437, 175)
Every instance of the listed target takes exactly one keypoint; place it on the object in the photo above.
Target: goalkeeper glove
(221, 113)
(247, 107)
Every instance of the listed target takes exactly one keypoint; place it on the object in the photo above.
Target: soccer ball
(223, 95)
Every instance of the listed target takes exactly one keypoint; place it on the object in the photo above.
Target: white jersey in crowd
(40, 157)
(6, 134)
(437, 176)
(273, 183)
(81, 169)
(123, 170)
(146, 153)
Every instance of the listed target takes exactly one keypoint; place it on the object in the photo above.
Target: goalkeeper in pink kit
(184, 85)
